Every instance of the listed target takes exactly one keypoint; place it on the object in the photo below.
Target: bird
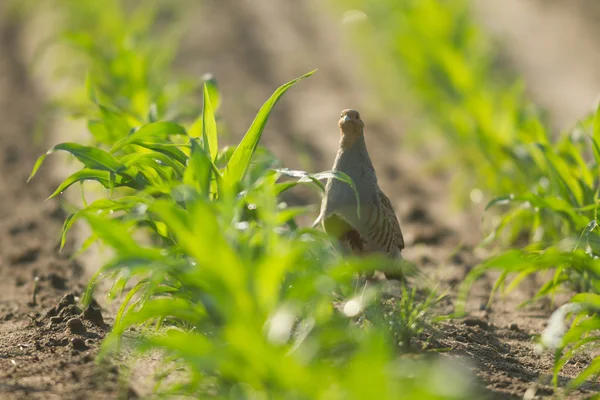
(374, 227)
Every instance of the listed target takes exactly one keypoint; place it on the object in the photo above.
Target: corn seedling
(204, 249)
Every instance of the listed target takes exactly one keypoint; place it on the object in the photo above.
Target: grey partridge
(377, 230)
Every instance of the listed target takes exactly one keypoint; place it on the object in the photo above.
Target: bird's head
(351, 126)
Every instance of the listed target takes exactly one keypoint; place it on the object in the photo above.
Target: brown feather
(391, 219)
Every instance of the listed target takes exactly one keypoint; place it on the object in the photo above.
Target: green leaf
(163, 307)
(153, 159)
(240, 159)
(509, 261)
(91, 157)
(115, 123)
(140, 285)
(501, 200)
(210, 84)
(563, 175)
(170, 149)
(209, 127)
(86, 174)
(199, 169)
(98, 130)
(589, 300)
(89, 87)
(66, 227)
(554, 204)
(159, 131)
(117, 235)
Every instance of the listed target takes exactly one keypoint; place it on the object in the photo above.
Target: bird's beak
(346, 118)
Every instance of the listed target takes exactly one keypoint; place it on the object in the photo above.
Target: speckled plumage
(377, 230)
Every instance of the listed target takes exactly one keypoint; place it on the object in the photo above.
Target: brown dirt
(39, 356)
(251, 47)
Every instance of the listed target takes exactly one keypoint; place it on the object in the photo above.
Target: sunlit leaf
(240, 159)
(209, 127)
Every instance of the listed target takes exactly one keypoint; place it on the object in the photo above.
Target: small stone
(78, 344)
(461, 338)
(513, 327)
(74, 325)
(93, 314)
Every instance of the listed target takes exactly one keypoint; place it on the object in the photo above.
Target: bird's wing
(335, 225)
(391, 219)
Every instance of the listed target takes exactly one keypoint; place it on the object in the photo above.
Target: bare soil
(41, 356)
(251, 47)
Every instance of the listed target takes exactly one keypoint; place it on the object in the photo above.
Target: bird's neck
(349, 139)
(352, 150)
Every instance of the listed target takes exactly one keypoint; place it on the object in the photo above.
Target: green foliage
(244, 296)
(543, 190)
(248, 303)
(124, 51)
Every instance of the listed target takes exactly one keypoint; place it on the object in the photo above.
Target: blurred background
(391, 60)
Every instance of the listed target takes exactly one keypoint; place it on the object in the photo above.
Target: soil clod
(57, 281)
(66, 300)
(78, 344)
(51, 312)
(417, 214)
(70, 310)
(476, 322)
(27, 256)
(93, 314)
(25, 227)
(74, 325)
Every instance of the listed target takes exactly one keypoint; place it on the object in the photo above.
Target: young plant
(580, 339)
(203, 248)
(245, 298)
